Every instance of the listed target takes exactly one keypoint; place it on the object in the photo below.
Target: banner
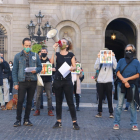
(46, 69)
(105, 56)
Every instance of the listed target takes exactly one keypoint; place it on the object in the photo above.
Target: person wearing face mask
(25, 82)
(64, 85)
(10, 78)
(47, 80)
(128, 70)
(104, 83)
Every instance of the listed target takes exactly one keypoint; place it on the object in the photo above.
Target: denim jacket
(18, 71)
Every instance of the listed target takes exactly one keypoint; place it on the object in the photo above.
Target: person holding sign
(104, 81)
(47, 80)
(76, 75)
(63, 82)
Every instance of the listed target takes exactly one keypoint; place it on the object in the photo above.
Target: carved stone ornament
(8, 18)
(66, 36)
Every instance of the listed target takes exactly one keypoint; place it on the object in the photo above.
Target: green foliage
(36, 48)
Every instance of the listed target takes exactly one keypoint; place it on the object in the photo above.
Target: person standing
(77, 86)
(127, 86)
(5, 75)
(2, 66)
(10, 77)
(25, 81)
(104, 83)
(64, 85)
(47, 80)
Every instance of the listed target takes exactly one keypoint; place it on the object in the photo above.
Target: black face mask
(43, 54)
(128, 55)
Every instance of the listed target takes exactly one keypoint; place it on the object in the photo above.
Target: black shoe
(126, 109)
(57, 125)
(27, 123)
(17, 123)
(137, 108)
(111, 115)
(99, 115)
(41, 107)
(77, 108)
(52, 108)
(75, 126)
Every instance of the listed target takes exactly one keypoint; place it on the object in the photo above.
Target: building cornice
(15, 5)
(85, 2)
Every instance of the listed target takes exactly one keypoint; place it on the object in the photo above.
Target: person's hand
(99, 55)
(113, 54)
(16, 87)
(127, 85)
(34, 71)
(124, 80)
(55, 46)
(1, 60)
(53, 69)
(71, 69)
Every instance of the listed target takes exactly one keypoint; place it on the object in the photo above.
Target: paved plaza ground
(91, 128)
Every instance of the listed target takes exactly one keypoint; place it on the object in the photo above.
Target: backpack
(7, 68)
(82, 78)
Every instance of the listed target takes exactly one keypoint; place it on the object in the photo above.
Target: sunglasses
(128, 51)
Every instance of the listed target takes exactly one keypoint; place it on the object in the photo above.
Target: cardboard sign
(46, 69)
(105, 56)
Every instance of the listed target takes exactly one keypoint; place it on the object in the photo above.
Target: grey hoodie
(106, 72)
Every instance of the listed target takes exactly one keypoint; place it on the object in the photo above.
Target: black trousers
(29, 88)
(64, 87)
(102, 89)
(77, 97)
(11, 85)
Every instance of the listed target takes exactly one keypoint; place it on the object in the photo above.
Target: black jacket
(6, 70)
(2, 66)
(128, 92)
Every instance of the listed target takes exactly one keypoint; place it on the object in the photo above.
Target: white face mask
(10, 65)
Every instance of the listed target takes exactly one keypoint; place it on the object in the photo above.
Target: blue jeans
(121, 97)
(127, 104)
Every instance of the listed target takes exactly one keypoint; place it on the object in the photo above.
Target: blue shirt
(132, 69)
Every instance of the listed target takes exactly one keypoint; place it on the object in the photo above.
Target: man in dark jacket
(25, 82)
(2, 66)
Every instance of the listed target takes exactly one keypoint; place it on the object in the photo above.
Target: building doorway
(123, 32)
(3, 40)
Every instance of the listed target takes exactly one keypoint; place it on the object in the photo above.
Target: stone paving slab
(91, 128)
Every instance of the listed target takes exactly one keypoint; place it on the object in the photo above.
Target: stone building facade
(83, 21)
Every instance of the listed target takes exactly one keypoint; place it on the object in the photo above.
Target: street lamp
(45, 28)
(31, 28)
(39, 18)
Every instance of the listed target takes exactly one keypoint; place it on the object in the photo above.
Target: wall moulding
(15, 5)
(81, 2)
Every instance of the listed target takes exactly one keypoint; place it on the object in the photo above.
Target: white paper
(29, 69)
(64, 69)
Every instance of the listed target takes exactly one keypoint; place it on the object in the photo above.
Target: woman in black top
(64, 85)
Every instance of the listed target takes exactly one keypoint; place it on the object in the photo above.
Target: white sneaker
(10, 93)
(135, 128)
(116, 126)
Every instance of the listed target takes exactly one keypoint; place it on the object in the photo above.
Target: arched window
(3, 38)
